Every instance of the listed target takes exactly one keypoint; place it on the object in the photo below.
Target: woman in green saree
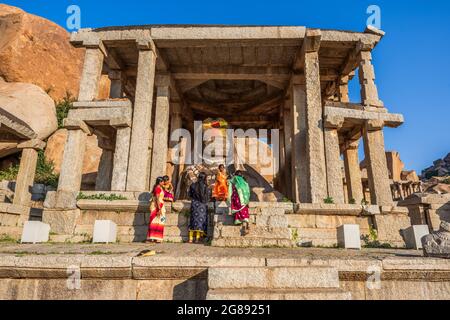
(239, 198)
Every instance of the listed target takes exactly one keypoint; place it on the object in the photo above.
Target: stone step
(283, 294)
(243, 242)
(226, 231)
(273, 277)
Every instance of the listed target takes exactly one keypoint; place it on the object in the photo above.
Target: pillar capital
(312, 40)
(363, 46)
(73, 124)
(162, 80)
(36, 144)
(94, 42)
(146, 44)
(374, 125)
(333, 122)
(352, 145)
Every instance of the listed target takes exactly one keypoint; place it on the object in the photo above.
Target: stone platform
(183, 271)
(273, 224)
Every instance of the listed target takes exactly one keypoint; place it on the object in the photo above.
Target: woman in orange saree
(220, 191)
(157, 214)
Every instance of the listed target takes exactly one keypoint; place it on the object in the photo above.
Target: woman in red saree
(157, 214)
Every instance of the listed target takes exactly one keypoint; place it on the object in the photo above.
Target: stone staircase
(275, 283)
(268, 227)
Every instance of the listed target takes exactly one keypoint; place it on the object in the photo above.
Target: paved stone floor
(193, 250)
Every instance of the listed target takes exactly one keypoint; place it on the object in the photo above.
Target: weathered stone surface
(380, 190)
(140, 144)
(273, 278)
(30, 104)
(25, 177)
(61, 221)
(297, 295)
(55, 150)
(390, 228)
(35, 50)
(437, 244)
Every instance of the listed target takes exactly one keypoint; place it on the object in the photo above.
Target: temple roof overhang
(230, 69)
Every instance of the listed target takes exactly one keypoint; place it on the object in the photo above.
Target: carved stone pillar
(161, 133)
(27, 171)
(92, 71)
(139, 160)
(353, 173)
(120, 162)
(335, 179)
(369, 92)
(377, 170)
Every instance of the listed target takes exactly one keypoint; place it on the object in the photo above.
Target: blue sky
(412, 62)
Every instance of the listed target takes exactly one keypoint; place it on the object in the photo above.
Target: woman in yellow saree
(220, 191)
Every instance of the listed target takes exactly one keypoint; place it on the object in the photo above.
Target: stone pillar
(287, 131)
(176, 122)
(139, 160)
(299, 166)
(309, 170)
(353, 173)
(161, 132)
(377, 170)
(343, 89)
(103, 182)
(27, 171)
(335, 179)
(116, 90)
(369, 92)
(120, 162)
(92, 71)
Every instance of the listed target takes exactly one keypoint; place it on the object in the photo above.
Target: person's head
(221, 168)
(239, 173)
(202, 177)
(159, 181)
(166, 179)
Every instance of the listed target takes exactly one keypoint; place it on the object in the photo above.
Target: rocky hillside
(436, 179)
(440, 168)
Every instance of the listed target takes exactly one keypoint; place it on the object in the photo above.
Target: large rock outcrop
(440, 168)
(55, 150)
(38, 51)
(31, 105)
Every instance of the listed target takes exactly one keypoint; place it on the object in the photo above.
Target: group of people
(233, 189)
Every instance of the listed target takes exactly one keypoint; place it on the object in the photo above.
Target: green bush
(62, 109)
(44, 172)
(328, 200)
(446, 180)
(100, 196)
(9, 173)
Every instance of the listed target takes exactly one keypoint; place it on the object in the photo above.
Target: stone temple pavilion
(290, 78)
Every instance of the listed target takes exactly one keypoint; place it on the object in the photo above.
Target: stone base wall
(320, 230)
(127, 278)
(428, 209)
(77, 226)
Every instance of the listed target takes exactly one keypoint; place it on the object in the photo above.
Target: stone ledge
(13, 209)
(327, 209)
(123, 103)
(116, 205)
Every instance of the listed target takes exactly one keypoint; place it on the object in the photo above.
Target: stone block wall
(321, 230)
(132, 226)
